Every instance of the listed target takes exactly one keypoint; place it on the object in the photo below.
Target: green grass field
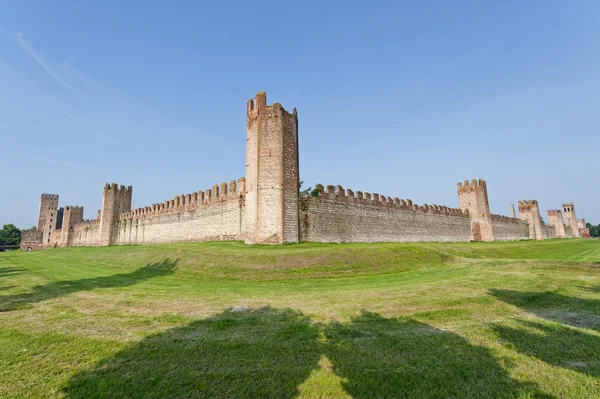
(433, 320)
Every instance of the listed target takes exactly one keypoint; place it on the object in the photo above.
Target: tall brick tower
(48, 202)
(555, 220)
(571, 219)
(530, 212)
(48, 217)
(115, 200)
(72, 215)
(272, 200)
(473, 197)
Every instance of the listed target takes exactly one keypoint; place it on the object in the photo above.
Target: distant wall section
(343, 216)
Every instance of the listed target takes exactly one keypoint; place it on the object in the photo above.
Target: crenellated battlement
(554, 212)
(224, 192)
(360, 197)
(116, 188)
(504, 219)
(468, 186)
(50, 197)
(258, 107)
(527, 205)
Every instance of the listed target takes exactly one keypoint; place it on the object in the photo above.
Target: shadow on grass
(62, 288)
(573, 311)
(269, 353)
(404, 358)
(259, 354)
(555, 344)
(10, 271)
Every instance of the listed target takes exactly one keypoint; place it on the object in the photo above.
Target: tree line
(594, 230)
(10, 235)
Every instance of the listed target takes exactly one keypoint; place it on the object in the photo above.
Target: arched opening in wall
(28, 249)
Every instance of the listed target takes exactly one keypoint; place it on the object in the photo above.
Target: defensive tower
(115, 200)
(272, 200)
(473, 197)
(571, 218)
(72, 215)
(530, 212)
(48, 216)
(555, 220)
(48, 202)
(512, 211)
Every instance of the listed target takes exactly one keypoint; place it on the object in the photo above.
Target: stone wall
(338, 216)
(216, 214)
(86, 234)
(31, 240)
(509, 229)
(548, 231)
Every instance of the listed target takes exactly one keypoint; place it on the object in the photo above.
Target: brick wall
(216, 214)
(509, 229)
(338, 216)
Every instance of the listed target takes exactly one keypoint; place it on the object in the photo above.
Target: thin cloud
(47, 161)
(29, 50)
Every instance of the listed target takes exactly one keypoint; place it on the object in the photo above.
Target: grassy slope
(381, 320)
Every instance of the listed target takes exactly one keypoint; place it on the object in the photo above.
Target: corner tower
(571, 219)
(272, 200)
(473, 197)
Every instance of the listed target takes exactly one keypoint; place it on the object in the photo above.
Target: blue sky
(400, 98)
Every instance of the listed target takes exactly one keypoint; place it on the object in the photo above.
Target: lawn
(477, 320)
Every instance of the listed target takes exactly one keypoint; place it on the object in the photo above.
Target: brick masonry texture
(265, 207)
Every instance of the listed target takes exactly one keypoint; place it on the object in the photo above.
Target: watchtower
(530, 212)
(72, 215)
(571, 218)
(48, 202)
(115, 200)
(272, 199)
(555, 220)
(473, 198)
(48, 216)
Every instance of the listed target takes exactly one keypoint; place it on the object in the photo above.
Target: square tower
(529, 211)
(272, 199)
(48, 203)
(571, 219)
(115, 200)
(473, 198)
(555, 220)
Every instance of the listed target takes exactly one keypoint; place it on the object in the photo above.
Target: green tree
(594, 230)
(306, 192)
(10, 235)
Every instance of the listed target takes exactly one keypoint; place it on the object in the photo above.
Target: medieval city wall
(548, 231)
(86, 233)
(506, 228)
(216, 214)
(343, 216)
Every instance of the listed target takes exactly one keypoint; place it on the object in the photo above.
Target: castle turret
(272, 200)
(571, 219)
(513, 214)
(529, 211)
(473, 198)
(115, 201)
